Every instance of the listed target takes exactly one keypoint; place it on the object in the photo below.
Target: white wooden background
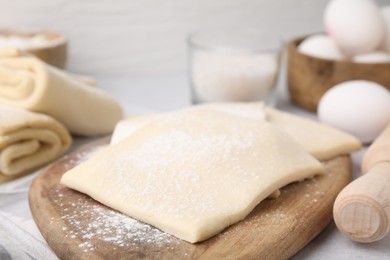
(138, 37)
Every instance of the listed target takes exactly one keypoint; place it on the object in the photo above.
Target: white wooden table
(169, 92)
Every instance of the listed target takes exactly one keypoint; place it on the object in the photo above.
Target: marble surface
(169, 92)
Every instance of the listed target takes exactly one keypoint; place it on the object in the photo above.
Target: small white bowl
(48, 46)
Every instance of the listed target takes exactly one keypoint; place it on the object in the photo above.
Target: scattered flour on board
(93, 223)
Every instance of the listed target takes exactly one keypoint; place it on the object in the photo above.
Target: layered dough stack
(28, 140)
(39, 104)
(29, 83)
(194, 172)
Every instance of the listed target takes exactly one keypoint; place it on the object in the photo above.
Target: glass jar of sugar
(227, 66)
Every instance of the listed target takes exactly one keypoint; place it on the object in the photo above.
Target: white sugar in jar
(228, 66)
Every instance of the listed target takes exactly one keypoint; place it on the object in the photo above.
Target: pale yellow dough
(28, 140)
(130, 126)
(320, 140)
(29, 83)
(193, 173)
(134, 123)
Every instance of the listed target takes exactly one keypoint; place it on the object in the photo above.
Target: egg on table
(373, 57)
(321, 46)
(359, 107)
(357, 26)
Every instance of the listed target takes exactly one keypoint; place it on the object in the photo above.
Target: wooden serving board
(77, 227)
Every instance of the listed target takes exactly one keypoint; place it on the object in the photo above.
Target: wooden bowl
(54, 52)
(308, 78)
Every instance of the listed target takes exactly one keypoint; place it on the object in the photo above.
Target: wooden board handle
(362, 209)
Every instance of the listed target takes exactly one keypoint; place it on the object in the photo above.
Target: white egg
(386, 17)
(359, 107)
(373, 57)
(356, 25)
(321, 46)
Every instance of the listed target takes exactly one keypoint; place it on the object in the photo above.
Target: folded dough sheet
(321, 141)
(29, 83)
(28, 140)
(194, 172)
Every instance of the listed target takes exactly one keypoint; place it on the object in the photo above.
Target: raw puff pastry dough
(29, 83)
(320, 140)
(193, 173)
(28, 140)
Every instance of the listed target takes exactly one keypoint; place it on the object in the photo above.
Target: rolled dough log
(29, 83)
(193, 173)
(28, 140)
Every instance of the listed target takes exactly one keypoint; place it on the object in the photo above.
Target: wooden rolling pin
(362, 209)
